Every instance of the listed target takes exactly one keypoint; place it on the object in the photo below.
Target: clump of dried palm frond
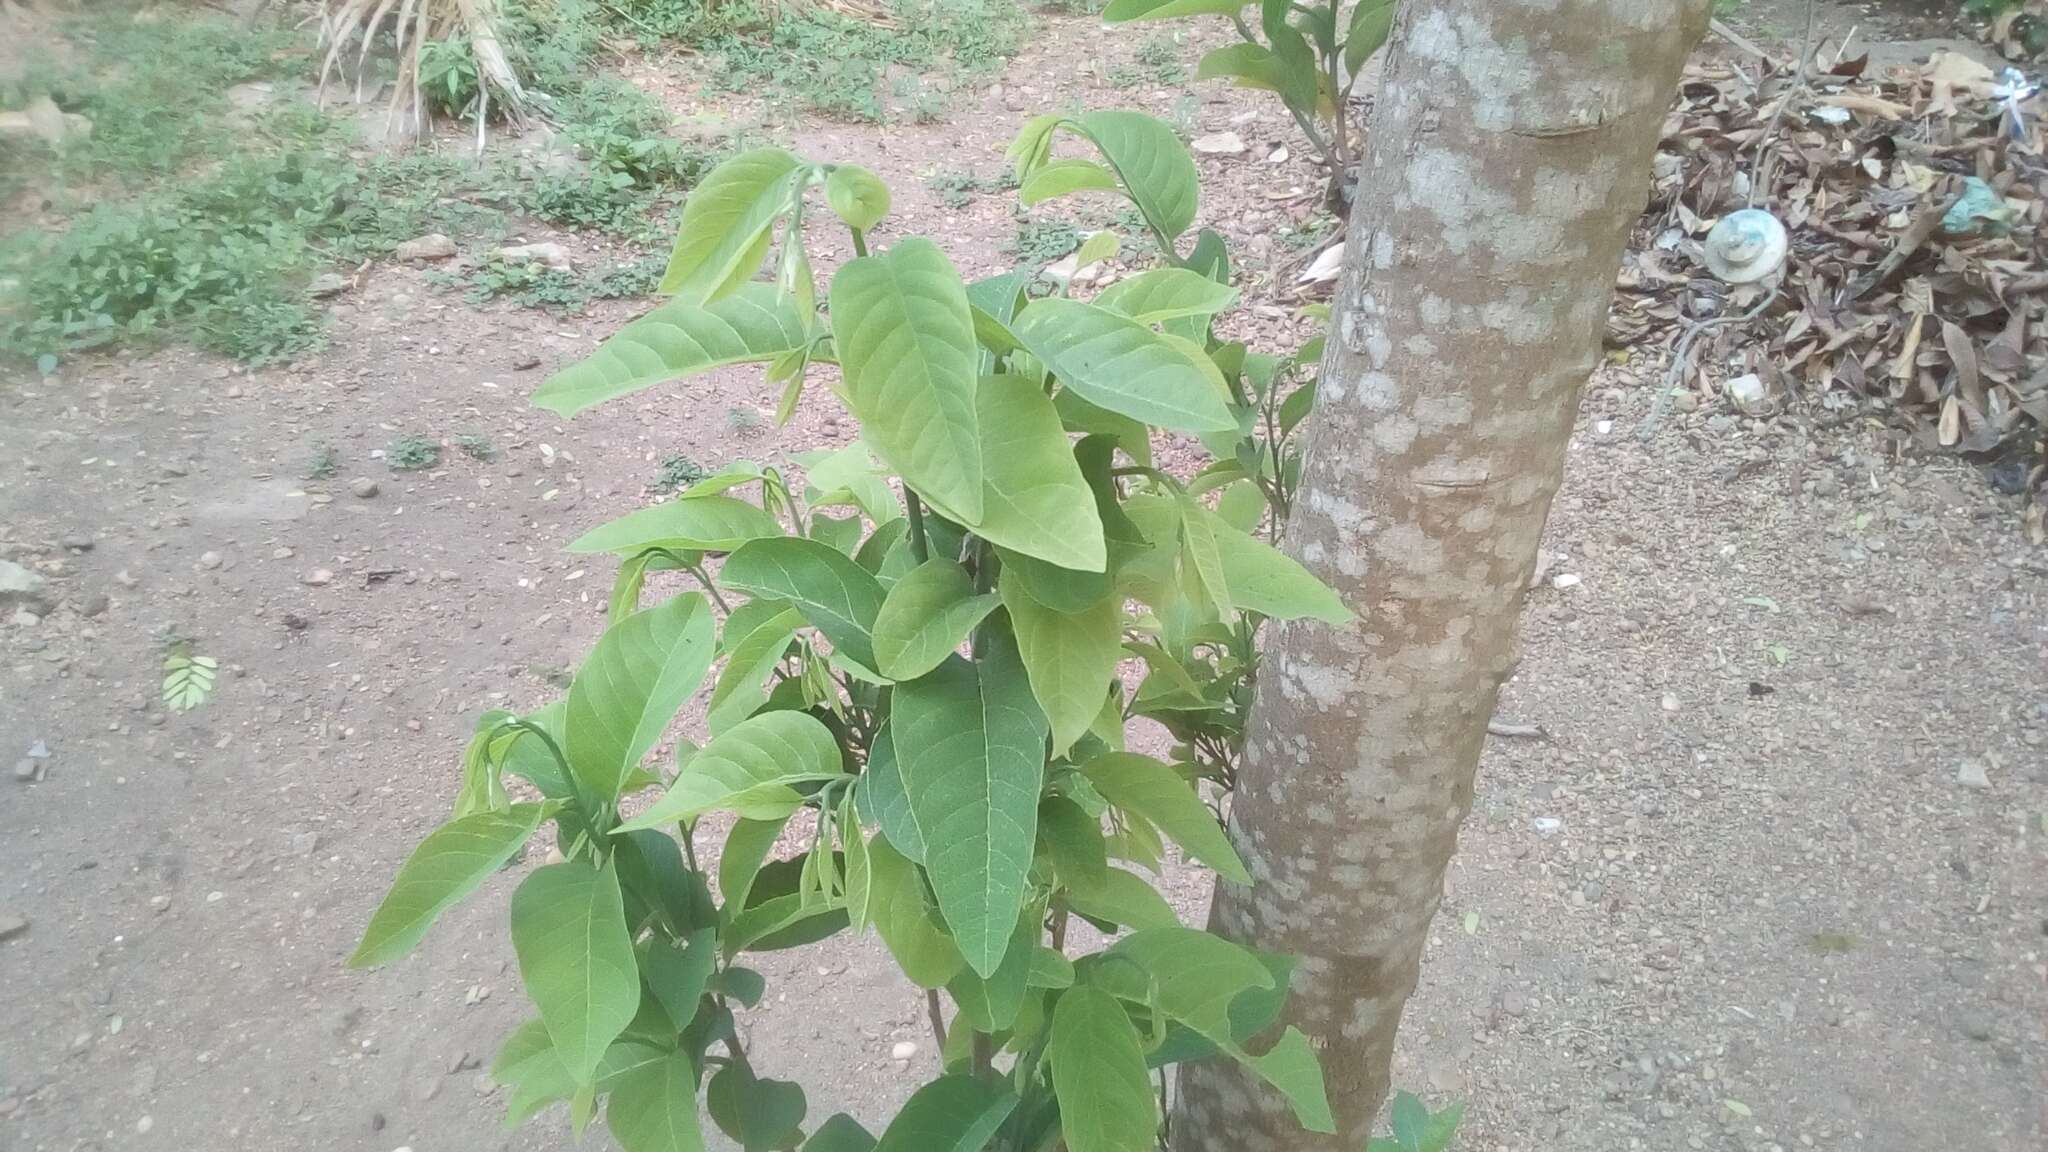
(413, 24)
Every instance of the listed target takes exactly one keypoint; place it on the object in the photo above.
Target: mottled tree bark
(1507, 158)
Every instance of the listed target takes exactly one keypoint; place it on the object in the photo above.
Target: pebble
(526, 363)
(432, 246)
(903, 1050)
(1970, 774)
(363, 487)
(175, 470)
(1827, 485)
(143, 1125)
(1514, 1002)
(27, 771)
(94, 604)
(12, 925)
(318, 577)
(78, 543)
(1669, 702)
(209, 560)
(1564, 580)
(1219, 144)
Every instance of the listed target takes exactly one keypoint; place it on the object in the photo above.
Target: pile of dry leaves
(1918, 272)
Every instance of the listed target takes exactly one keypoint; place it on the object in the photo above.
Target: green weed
(412, 453)
(325, 464)
(476, 446)
(956, 186)
(1042, 240)
(678, 472)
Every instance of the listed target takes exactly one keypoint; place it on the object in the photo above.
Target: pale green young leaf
(1165, 294)
(697, 524)
(576, 958)
(453, 861)
(970, 743)
(1099, 1074)
(905, 339)
(906, 921)
(528, 757)
(727, 224)
(1121, 11)
(852, 470)
(679, 339)
(857, 196)
(1196, 975)
(1064, 177)
(1242, 506)
(1123, 898)
(925, 617)
(1155, 791)
(630, 686)
(1249, 65)
(654, 1107)
(838, 596)
(750, 660)
(751, 770)
(951, 1114)
(1117, 363)
(1262, 579)
(881, 792)
(1070, 658)
(1157, 171)
(1200, 554)
(860, 868)
(1032, 147)
(1098, 247)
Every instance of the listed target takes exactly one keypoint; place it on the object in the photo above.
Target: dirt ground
(1776, 878)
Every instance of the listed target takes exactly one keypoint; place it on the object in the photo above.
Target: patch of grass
(1156, 64)
(325, 464)
(819, 61)
(534, 285)
(678, 472)
(412, 453)
(956, 186)
(476, 446)
(1310, 233)
(1042, 240)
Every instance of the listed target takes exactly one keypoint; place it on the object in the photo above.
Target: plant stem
(984, 1056)
(1059, 929)
(935, 1011)
(704, 578)
(920, 548)
(860, 242)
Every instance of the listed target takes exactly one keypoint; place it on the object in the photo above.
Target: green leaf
(680, 339)
(1144, 786)
(629, 688)
(950, 1114)
(1371, 22)
(1408, 1117)
(1099, 1075)
(1292, 1068)
(1114, 362)
(1196, 974)
(841, 1133)
(881, 790)
(1210, 256)
(1075, 841)
(1049, 969)
(1078, 415)
(727, 222)
(838, 596)
(750, 660)
(1121, 11)
(761, 1114)
(1033, 145)
(1036, 501)
(857, 196)
(970, 742)
(697, 524)
(1064, 177)
(906, 920)
(1124, 898)
(1250, 65)
(860, 869)
(453, 861)
(751, 770)
(1070, 658)
(905, 339)
(1299, 77)
(739, 864)
(1262, 579)
(743, 985)
(654, 1107)
(1155, 167)
(925, 618)
(1200, 553)
(1166, 294)
(527, 1064)
(991, 1005)
(576, 957)
(677, 976)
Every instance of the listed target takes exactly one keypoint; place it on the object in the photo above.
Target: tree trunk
(1507, 158)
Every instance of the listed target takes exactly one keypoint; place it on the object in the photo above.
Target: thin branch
(935, 1011)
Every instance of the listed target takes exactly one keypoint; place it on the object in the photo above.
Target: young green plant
(915, 660)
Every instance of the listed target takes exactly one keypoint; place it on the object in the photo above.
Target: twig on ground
(1503, 728)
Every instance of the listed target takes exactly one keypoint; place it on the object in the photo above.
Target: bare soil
(1749, 891)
